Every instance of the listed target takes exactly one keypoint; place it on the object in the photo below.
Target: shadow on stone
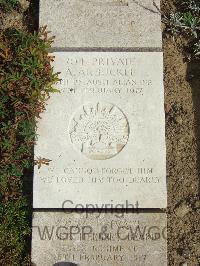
(148, 9)
(65, 264)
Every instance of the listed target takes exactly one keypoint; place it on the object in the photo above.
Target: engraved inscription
(100, 238)
(99, 130)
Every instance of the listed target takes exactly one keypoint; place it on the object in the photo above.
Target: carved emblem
(99, 130)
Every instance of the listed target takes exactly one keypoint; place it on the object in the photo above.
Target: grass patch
(9, 5)
(186, 22)
(26, 81)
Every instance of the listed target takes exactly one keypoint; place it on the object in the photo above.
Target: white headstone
(104, 133)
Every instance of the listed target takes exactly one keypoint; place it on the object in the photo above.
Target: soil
(182, 107)
(182, 91)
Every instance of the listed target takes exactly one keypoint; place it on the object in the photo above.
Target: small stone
(179, 120)
(184, 264)
(197, 204)
(167, 108)
(182, 210)
(186, 253)
(24, 4)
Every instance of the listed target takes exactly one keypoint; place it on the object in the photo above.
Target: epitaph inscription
(99, 130)
(104, 132)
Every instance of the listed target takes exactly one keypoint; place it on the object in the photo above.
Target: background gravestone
(103, 23)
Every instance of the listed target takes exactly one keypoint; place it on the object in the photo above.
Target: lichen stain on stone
(119, 147)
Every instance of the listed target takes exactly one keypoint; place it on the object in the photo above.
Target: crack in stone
(107, 3)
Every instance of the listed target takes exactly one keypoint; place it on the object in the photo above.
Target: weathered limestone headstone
(103, 23)
(104, 132)
(99, 239)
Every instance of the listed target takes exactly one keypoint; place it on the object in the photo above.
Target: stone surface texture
(87, 239)
(103, 23)
(104, 133)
